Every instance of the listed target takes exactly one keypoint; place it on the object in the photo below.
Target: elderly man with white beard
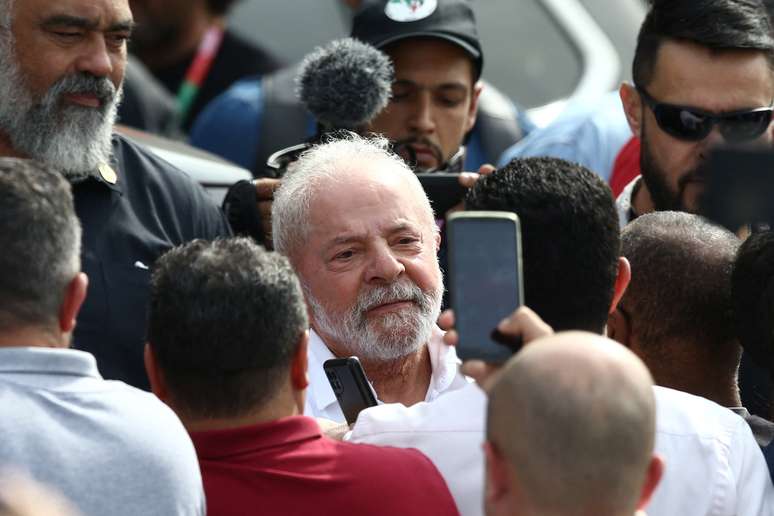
(357, 226)
(61, 71)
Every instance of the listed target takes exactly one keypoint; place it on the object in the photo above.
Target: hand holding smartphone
(485, 281)
(350, 385)
(443, 189)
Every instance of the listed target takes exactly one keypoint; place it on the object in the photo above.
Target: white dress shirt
(321, 401)
(450, 431)
(713, 465)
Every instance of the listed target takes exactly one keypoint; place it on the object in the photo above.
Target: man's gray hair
(681, 280)
(40, 238)
(331, 161)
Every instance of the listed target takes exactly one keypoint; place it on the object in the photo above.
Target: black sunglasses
(692, 124)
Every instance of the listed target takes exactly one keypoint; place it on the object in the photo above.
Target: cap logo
(410, 10)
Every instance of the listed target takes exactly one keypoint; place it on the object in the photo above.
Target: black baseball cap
(382, 22)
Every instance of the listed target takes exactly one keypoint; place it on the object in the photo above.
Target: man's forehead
(99, 12)
(375, 204)
(429, 59)
(720, 80)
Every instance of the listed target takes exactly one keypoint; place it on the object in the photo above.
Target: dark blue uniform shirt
(127, 225)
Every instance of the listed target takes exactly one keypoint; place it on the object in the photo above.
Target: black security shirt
(151, 207)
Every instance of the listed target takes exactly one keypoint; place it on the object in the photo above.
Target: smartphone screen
(350, 385)
(484, 279)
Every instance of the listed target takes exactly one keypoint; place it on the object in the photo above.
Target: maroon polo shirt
(287, 467)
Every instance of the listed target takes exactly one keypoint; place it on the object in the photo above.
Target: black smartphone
(485, 280)
(740, 188)
(443, 189)
(350, 385)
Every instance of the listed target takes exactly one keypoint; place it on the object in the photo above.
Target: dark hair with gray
(40, 238)
(752, 290)
(326, 162)
(225, 319)
(681, 281)
(719, 25)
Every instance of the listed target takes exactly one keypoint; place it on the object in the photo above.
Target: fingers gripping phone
(443, 189)
(485, 280)
(350, 385)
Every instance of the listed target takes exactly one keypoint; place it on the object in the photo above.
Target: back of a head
(720, 25)
(40, 238)
(752, 287)
(681, 281)
(570, 237)
(226, 318)
(574, 417)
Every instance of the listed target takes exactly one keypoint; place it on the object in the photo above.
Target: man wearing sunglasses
(702, 77)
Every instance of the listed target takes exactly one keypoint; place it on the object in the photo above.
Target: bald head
(573, 416)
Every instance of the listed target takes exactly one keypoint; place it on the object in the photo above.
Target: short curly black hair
(570, 237)
(220, 7)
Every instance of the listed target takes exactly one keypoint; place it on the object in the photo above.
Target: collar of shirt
(321, 401)
(218, 444)
(39, 365)
(623, 203)
(101, 176)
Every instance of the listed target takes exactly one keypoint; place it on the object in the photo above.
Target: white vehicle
(215, 174)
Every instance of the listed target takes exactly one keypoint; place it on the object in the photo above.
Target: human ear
(622, 279)
(632, 106)
(473, 109)
(75, 294)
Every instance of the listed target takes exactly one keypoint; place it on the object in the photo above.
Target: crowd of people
(153, 362)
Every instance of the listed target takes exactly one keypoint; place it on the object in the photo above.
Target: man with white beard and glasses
(358, 229)
(61, 71)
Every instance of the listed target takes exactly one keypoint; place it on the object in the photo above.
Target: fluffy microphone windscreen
(345, 84)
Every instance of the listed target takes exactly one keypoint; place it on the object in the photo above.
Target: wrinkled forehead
(98, 13)
(380, 193)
